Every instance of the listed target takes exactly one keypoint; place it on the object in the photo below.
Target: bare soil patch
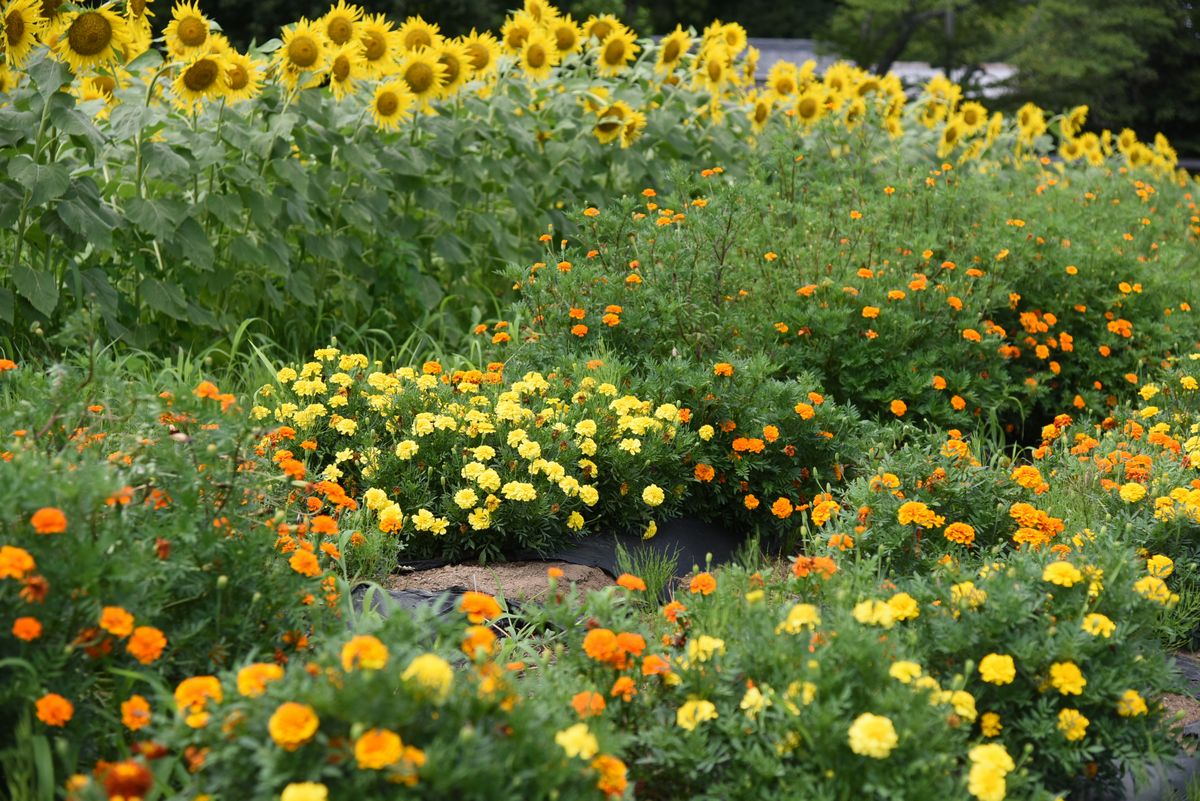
(521, 581)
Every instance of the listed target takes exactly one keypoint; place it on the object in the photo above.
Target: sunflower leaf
(37, 287)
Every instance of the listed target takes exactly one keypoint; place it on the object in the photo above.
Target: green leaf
(193, 242)
(37, 287)
(48, 75)
(163, 162)
(94, 223)
(164, 296)
(97, 286)
(45, 182)
(7, 305)
(158, 218)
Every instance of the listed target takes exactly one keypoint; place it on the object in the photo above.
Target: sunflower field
(275, 321)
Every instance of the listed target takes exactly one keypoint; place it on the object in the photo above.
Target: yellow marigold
(799, 617)
(1132, 492)
(577, 741)
(653, 495)
(997, 669)
(432, 674)
(376, 749)
(305, 791)
(872, 736)
(1064, 574)
(1098, 625)
(1067, 678)
(364, 652)
(1131, 704)
(1072, 724)
(693, 713)
(252, 680)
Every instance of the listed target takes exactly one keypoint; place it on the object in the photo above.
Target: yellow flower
(653, 495)
(904, 606)
(1064, 574)
(1131, 704)
(364, 652)
(252, 680)
(480, 519)
(874, 613)
(1099, 625)
(432, 674)
(1160, 566)
(466, 499)
(997, 669)
(754, 702)
(705, 432)
(989, 724)
(407, 449)
(1155, 589)
(702, 648)
(92, 38)
(519, 491)
(376, 749)
(1132, 492)
(1072, 724)
(872, 736)
(904, 671)
(798, 618)
(1067, 678)
(616, 51)
(575, 521)
(577, 741)
(304, 791)
(693, 713)
(391, 105)
(989, 765)
(303, 50)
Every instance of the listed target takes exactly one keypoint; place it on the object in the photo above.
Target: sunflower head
(188, 32)
(567, 35)
(635, 123)
(340, 23)
(615, 52)
(203, 77)
(92, 38)
(416, 33)
(483, 52)
(973, 116)
(392, 104)
(345, 67)
(599, 27)
(538, 55)
(304, 50)
(8, 79)
(713, 67)
(380, 44)
(21, 23)
(453, 55)
(760, 111)
(810, 106)
(516, 30)
(734, 36)
(243, 77)
(138, 9)
(543, 12)
(671, 50)
(424, 75)
(610, 122)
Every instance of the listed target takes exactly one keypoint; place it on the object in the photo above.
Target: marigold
(15, 562)
(872, 736)
(1067, 678)
(693, 713)
(998, 669)
(631, 582)
(376, 749)
(703, 584)
(252, 680)
(432, 674)
(588, 703)
(54, 710)
(364, 652)
(146, 644)
(27, 628)
(49, 520)
(479, 607)
(292, 725)
(116, 621)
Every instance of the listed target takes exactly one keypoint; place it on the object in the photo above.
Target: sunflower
(345, 67)
(856, 112)
(201, 78)
(750, 66)
(600, 27)
(243, 77)
(893, 126)
(483, 51)
(611, 122)
(760, 111)
(138, 9)
(391, 104)
(20, 27)
(671, 50)
(995, 127)
(540, 10)
(516, 30)
(1126, 140)
(96, 87)
(8, 79)
(340, 23)
(867, 86)
(952, 135)
(616, 51)
(188, 31)
(567, 35)
(1073, 120)
(141, 37)
(452, 54)
(712, 68)
(538, 55)
(635, 124)
(783, 79)
(304, 50)
(381, 44)
(424, 76)
(734, 36)
(91, 38)
(416, 33)
(51, 10)
(1032, 123)
(973, 117)
(810, 106)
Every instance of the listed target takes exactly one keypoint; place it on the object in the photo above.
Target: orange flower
(15, 562)
(206, 389)
(613, 775)
(870, 312)
(434, 368)
(305, 563)
(588, 704)
(576, 313)
(704, 472)
(116, 621)
(27, 628)
(750, 502)
(843, 542)
(579, 330)
(7, 364)
(770, 433)
(804, 566)
(478, 638)
(961, 533)
(655, 665)
(146, 644)
(135, 713)
(958, 402)
(252, 680)
(54, 710)
(899, 407)
(292, 725)
(672, 611)
(939, 383)
(128, 779)
(479, 607)
(751, 444)
(971, 335)
(323, 524)
(376, 749)
(49, 520)
(782, 508)
(805, 411)
(624, 688)
(631, 582)
(364, 652)
(723, 369)
(554, 573)
(702, 583)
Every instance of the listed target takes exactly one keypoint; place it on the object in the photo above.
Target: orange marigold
(702, 583)
(54, 710)
(146, 644)
(49, 520)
